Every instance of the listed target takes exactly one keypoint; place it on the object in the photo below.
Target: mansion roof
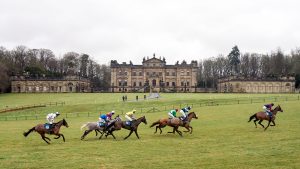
(153, 63)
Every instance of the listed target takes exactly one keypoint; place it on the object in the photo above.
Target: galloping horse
(95, 126)
(185, 123)
(263, 116)
(42, 131)
(118, 125)
(175, 123)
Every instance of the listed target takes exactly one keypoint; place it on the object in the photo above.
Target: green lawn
(222, 137)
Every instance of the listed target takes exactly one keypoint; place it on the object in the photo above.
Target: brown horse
(118, 125)
(42, 131)
(263, 116)
(186, 123)
(161, 123)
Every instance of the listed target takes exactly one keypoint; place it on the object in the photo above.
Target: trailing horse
(263, 116)
(40, 128)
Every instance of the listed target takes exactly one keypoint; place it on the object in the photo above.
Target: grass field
(222, 137)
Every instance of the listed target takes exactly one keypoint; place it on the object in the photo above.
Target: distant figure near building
(137, 98)
(123, 98)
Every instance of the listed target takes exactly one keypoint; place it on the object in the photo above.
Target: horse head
(144, 120)
(193, 115)
(65, 123)
(279, 108)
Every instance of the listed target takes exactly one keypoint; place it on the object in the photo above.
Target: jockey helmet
(103, 116)
(113, 112)
(272, 104)
(176, 110)
(133, 111)
(189, 108)
(57, 113)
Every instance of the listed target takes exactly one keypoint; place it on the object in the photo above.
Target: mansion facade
(234, 84)
(153, 75)
(22, 84)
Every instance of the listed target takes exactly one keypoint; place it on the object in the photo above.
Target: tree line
(249, 65)
(42, 63)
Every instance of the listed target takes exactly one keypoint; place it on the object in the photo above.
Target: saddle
(49, 127)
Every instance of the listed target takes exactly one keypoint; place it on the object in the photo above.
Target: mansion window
(167, 74)
(140, 83)
(134, 83)
(187, 73)
(140, 73)
(188, 83)
(182, 83)
(167, 83)
(173, 74)
(160, 73)
(133, 73)
(173, 84)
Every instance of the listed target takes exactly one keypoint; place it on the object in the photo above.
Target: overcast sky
(127, 30)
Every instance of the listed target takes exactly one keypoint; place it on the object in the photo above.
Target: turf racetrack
(222, 137)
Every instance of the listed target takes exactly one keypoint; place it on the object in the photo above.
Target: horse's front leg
(273, 123)
(268, 125)
(128, 135)
(136, 134)
(57, 137)
(85, 133)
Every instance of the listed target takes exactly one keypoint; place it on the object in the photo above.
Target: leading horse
(175, 123)
(118, 125)
(263, 116)
(40, 128)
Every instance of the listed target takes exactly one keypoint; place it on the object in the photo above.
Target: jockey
(109, 115)
(50, 118)
(172, 113)
(102, 120)
(268, 109)
(129, 116)
(184, 112)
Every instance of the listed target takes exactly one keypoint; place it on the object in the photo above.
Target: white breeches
(50, 120)
(128, 117)
(265, 109)
(183, 113)
(171, 115)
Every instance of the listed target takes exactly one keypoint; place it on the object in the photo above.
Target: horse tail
(155, 123)
(83, 126)
(29, 131)
(252, 117)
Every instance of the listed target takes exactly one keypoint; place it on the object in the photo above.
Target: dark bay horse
(118, 125)
(263, 116)
(175, 123)
(42, 131)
